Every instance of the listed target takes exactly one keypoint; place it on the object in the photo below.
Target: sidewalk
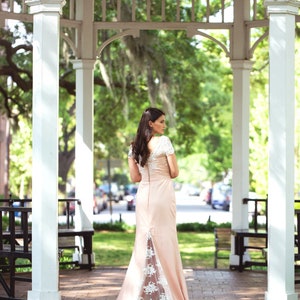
(203, 284)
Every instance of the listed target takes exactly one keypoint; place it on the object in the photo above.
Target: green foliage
(192, 84)
(5, 222)
(115, 226)
(184, 227)
(21, 160)
(200, 227)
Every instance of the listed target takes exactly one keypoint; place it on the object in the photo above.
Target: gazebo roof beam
(157, 25)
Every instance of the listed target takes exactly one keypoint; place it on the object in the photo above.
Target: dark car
(131, 197)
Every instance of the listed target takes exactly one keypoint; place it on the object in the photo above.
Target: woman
(155, 269)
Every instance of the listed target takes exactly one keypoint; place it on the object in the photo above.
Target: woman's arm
(173, 167)
(135, 174)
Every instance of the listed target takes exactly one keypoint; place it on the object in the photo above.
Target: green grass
(115, 248)
(197, 249)
(113, 244)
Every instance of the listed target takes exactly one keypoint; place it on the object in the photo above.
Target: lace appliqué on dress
(167, 145)
(154, 285)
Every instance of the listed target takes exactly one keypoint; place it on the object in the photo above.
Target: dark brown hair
(140, 149)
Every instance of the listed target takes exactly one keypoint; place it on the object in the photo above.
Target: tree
(135, 73)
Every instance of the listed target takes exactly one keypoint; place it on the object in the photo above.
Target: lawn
(115, 248)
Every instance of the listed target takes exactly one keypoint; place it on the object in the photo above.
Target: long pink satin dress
(155, 269)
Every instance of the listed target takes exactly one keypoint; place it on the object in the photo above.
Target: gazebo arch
(280, 18)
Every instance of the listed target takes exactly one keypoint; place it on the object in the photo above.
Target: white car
(221, 196)
(131, 197)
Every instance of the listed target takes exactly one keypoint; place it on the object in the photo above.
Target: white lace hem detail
(154, 285)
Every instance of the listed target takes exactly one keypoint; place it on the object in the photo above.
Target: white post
(241, 69)
(84, 140)
(45, 269)
(84, 158)
(240, 147)
(281, 150)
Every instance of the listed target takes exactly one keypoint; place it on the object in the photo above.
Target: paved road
(189, 209)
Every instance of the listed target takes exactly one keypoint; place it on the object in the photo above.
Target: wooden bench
(222, 244)
(254, 238)
(297, 241)
(261, 243)
(15, 243)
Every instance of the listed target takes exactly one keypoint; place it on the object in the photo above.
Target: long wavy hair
(140, 149)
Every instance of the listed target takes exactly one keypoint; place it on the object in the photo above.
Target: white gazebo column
(45, 269)
(240, 147)
(84, 141)
(281, 150)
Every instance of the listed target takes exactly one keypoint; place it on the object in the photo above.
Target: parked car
(71, 204)
(17, 204)
(190, 189)
(131, 198)
(221, 196)
(112, 191)
(205, 195)
(100, 201)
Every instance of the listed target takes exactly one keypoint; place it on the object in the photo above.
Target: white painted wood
(241, 68)
(84, 159)
(240, 148)
(45, 270)
(281, 150)
(84, 137)
(282, 16)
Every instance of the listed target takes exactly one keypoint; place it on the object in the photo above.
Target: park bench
(255, 238)
(222, 244)
(297, 242)
(15, 242)
(258, 238)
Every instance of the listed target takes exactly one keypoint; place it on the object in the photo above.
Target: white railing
(162, 11)
(152, 11)
(174, 11)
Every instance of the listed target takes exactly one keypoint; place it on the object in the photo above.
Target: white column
(45, 269)
(281, 150)
(84, 140)
(240, 147)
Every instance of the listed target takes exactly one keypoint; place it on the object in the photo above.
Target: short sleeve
(168, 147)
(130, 152)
